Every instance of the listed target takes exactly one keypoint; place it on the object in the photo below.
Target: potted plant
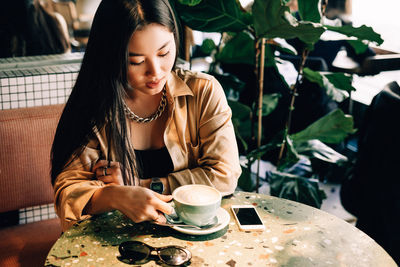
(251, 38)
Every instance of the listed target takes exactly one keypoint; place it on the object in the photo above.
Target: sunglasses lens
(134, 251)
(174, 256)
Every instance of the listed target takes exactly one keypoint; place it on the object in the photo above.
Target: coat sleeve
(75, 186)
(216, 154)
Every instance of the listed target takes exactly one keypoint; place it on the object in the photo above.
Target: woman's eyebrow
(131, 54)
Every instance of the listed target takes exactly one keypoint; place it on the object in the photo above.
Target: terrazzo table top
(295, 235)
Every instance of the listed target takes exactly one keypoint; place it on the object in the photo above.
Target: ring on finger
(105, 171)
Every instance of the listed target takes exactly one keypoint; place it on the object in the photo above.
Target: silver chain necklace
(163, 103)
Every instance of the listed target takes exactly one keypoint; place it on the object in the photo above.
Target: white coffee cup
(196, 204)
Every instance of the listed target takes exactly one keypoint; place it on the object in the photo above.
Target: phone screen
(247, 216)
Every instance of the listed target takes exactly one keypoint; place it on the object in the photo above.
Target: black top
(154, 163)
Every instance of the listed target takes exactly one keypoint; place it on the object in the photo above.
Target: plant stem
(256, 72)
(292, 100)
(260, 104)
(261, 91)
(294, 91)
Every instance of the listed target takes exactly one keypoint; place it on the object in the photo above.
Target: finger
(105, 163)
(160, 203)
(161, 218)
(98, 172)
(153, 214)
(141, 215)
(165, 198)
(107, 179)
(100, 164)
(102, 171)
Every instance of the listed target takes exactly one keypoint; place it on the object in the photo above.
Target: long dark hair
(96, 101)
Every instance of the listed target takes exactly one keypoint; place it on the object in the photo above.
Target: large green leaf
(310, 10)
(272, 19)
(259, 152)
(247, 180)
(341, 81)
(318, 150)
(333, 83)
(239, 49)
(363, 32)
(241, 119)
(326, 163)
(189, 2)
(282, 46)
(270, 101)
(269, 56)
(332, 128)
(291, 155)
(207, 46)
(358, 46)
(239, 110)
(293, 187)
(229, 82)
(215, 16)
(239, 136)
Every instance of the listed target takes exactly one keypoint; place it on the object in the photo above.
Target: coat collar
(176, 86)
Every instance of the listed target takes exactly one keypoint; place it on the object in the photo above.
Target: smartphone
(247, 218)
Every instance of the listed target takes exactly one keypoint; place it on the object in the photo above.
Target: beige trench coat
(199, 137)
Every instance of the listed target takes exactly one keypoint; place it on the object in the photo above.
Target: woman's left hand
(109, 172)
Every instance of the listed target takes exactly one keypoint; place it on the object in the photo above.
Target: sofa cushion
(28, 244)
(26, 136)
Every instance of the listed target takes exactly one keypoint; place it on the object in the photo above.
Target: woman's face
(152, 54)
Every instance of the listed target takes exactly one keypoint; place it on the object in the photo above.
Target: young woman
(134, 122)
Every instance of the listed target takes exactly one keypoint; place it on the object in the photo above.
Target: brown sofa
(26, 135)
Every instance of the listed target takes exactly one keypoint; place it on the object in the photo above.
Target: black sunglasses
(137, 252)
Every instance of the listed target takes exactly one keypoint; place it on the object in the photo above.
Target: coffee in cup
(196, 204)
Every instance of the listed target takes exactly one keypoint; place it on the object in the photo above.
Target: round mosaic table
(295, 235)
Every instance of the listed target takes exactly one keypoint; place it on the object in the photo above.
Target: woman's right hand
(141, 204)
(108, 171)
